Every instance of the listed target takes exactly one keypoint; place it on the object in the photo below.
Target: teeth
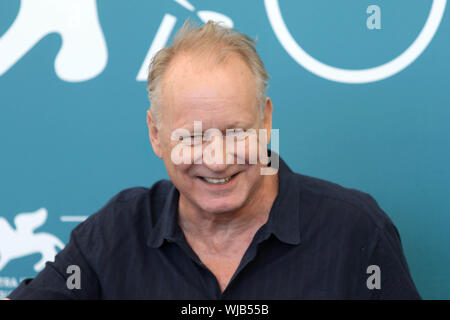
(216, 181)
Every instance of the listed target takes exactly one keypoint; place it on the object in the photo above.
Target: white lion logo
(83, 54)
(22, 241)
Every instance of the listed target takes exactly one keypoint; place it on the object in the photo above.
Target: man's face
(221, 96)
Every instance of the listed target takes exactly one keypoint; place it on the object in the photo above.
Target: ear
(267, 121)
(153, 134)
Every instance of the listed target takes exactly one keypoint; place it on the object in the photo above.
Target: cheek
(175, 170)
(252, 149)
(183, 168)
(179, 169)
(184, 155)
(248, 151)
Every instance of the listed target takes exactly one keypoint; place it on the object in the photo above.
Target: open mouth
(218, 180)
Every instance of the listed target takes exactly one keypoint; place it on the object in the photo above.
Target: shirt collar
(284, 217)
(167, 226)
(283, 222)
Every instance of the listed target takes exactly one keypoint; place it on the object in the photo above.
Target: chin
(218, 206)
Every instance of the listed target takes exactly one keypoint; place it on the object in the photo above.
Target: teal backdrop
(73, 120)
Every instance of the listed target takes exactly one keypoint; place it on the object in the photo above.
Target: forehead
(203, 90)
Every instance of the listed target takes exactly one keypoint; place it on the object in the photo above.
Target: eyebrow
(234, 125)
(238, 124)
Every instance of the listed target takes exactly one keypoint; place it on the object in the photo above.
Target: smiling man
(222, 229)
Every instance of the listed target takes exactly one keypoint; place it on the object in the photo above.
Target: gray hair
(211, 37)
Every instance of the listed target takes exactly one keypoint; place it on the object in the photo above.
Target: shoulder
(130, 211)
(350, 229)
(342, 206)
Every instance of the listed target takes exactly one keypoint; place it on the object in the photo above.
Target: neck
(223, 228)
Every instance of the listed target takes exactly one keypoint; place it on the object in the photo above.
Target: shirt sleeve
(395, 278)
(51, 283)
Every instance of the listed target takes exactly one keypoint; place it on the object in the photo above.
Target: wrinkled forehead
(217, 94)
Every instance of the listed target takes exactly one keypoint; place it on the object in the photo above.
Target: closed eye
(191, 140)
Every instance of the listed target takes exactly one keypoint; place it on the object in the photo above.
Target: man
(220, 228)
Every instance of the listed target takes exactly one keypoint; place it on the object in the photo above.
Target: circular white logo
(355, 76)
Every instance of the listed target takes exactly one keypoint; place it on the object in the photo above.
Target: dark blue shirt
(318, 243)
